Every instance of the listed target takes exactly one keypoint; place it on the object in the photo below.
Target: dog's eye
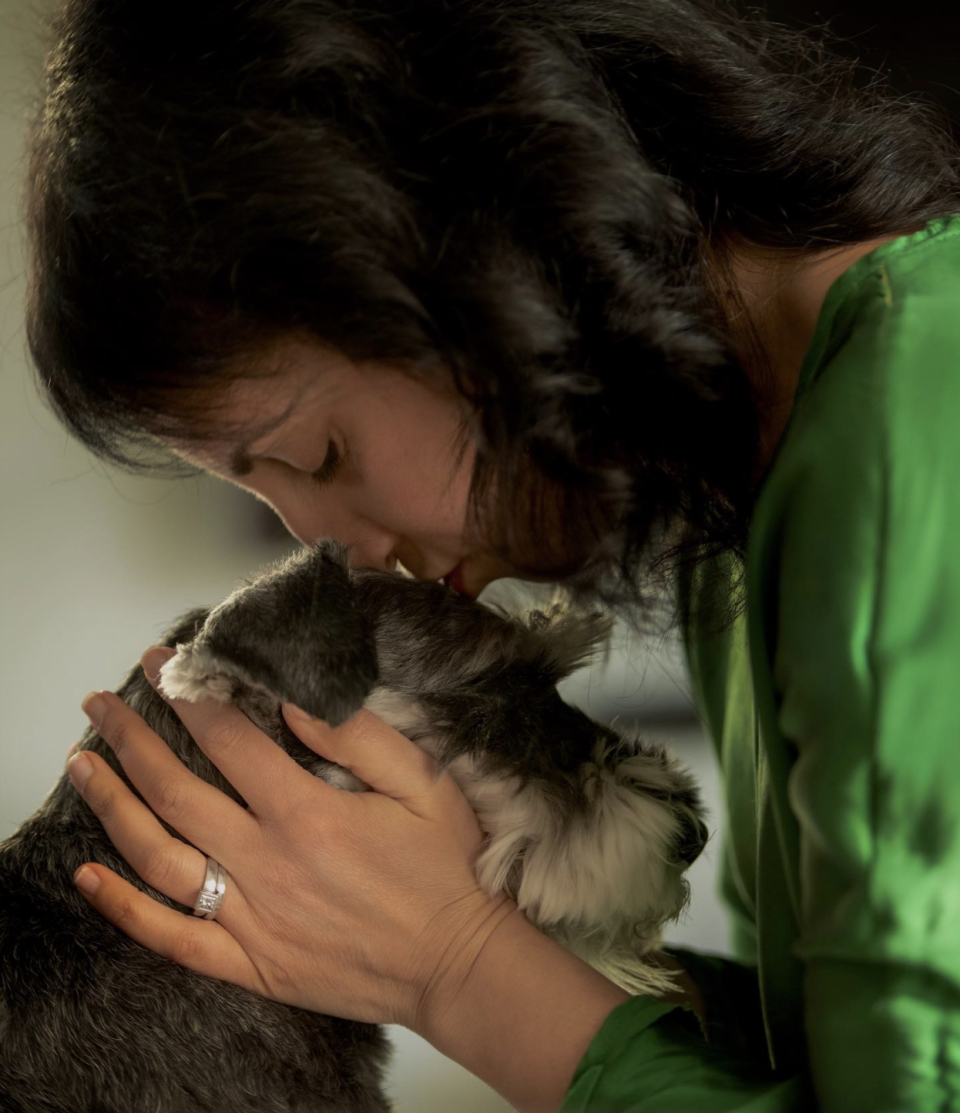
(327, 471)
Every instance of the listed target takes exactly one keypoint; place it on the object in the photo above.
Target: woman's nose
(310, 515)
(373, 551)
(367, 545)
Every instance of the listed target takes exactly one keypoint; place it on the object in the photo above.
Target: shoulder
(883, 401)
(859, 507)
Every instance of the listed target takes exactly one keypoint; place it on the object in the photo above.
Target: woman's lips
(454, 579)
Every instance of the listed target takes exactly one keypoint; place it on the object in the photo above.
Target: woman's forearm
(523, 1015)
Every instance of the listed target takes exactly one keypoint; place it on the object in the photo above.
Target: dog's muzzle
(692, 840)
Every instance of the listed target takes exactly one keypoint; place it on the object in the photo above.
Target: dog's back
(91, 1021)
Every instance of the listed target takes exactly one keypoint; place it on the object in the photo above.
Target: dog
(588, 830)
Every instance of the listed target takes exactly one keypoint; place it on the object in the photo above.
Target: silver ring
(211, 892)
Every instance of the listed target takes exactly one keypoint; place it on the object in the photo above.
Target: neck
(782, 296)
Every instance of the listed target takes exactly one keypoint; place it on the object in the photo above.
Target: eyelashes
(327, 472)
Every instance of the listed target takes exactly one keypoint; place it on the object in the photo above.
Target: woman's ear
(295, 632)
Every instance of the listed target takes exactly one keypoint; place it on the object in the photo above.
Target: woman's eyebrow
(241, 462)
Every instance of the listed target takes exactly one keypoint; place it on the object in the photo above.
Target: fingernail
(80, 767)
(86, 880)
(153, 659)
(94, 706)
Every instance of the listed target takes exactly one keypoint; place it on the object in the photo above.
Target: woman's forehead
(235, 420)
(230, 425)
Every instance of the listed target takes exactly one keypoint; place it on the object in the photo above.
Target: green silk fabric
(833, 705)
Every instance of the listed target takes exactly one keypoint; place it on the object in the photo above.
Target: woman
(600, 292)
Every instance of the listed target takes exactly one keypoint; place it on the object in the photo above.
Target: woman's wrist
(519, 1011)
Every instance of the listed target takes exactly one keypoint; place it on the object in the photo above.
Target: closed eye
(326, 473)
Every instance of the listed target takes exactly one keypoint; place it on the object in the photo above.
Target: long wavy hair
(531, 199)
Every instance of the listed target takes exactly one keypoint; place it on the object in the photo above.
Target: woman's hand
(359, 905)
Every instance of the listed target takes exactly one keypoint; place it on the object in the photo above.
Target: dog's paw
(195, 674)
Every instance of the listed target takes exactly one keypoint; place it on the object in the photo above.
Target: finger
(165, 863)
(199, 811)
(265, 776)
(201, 945)
(379, 755)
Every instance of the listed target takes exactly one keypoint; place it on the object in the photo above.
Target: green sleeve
(651, 1057)
(867, 671)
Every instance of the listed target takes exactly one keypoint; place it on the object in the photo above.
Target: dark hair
(531, 196)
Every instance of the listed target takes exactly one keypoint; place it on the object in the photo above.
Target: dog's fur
(589, 831)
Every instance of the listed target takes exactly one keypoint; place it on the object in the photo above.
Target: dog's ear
(561, 637)
(295, 632)
(563, 634)
(571, 637)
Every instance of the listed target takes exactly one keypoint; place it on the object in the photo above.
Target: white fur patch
(339, 777)
(194, 675)
(589, 884)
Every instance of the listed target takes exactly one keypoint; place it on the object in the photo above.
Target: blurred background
(96, 564)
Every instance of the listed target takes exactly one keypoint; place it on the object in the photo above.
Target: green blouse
(832, 707)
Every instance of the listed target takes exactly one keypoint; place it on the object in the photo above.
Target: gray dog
(589, 831)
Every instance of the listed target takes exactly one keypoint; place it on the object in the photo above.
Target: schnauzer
(588, 830)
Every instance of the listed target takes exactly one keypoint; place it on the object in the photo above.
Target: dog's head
(296, 633)
(304, 633)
